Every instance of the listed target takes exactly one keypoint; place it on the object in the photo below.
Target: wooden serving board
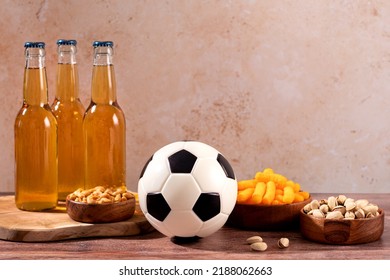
(18, 225)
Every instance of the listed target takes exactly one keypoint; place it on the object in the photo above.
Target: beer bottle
(35, 137)
(104, 125)
(69, 112)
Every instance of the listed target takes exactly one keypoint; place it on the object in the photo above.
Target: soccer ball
(187, 189)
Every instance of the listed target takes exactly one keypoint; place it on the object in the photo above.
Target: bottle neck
(35, 79)
(66, 54)
(67, 89)
(103, 77)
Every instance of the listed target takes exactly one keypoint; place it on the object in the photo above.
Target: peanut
(101, 195)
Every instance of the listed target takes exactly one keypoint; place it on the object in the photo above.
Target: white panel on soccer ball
(181, 191)
(183, 223)
(160, 226)
(142, 196)
(201, 149)
(229, 196)
(209, 175)
(168, 150)
(212, 225)
(155, 175)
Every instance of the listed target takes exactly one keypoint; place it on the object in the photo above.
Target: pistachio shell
(370, 215)
(323, 201)
(332, 202)
(349, 215)
(359, 214)
(317, 213)
(324, 208)
(350, 205)
(307, 208)
(341, 209)
(361, 203)
(315, 204)
(254, 239)
(334, 215)
(283, 243)
(341, 199)
(259, 246)
(370, 209)
(349, 200)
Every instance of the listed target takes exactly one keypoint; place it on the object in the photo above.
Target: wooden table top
(226, 244)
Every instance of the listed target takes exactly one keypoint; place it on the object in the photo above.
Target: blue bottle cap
(103, 44)
(40, 45)
(62, 42)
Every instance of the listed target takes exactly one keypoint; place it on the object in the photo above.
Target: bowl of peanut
(101, 205)
(342, 221)
(268, 201)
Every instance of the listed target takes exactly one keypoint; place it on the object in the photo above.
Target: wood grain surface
(226, 244)
(18, 225)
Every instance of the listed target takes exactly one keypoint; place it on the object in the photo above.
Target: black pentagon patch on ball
(207, 206)
(182, 162)
(157, 206)
(226, 166)
(146, 165)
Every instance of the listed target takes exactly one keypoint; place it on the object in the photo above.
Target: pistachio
(254, 239)
(324, 208)
(332, 202)
(259, 246)
(350, 205)
(341, 209)
(359, 214)
(361, 203)
(317, 213)
(349, 200)
(341, 199)
(370, 209)
(370, 215)
(283, 243)
(349, 215)
(315, 204)
(334, 215)
(307, 208)
(323, 201)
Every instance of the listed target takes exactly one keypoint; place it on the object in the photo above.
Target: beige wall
(299, 86)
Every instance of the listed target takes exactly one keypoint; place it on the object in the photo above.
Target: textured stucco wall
(302, 87)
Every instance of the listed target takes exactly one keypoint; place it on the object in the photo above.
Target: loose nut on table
(283, 243)
(254, 239)
(259, 246)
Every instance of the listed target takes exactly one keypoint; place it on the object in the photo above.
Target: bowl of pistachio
(341, 220)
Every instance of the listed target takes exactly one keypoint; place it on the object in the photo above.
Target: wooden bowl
(266, 217)
(100, 213)
(342, 232)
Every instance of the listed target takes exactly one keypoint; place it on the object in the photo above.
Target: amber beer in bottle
(104, 125)
(35, 138)
(69, 112)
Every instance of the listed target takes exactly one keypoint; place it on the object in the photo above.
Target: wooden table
(226, 244)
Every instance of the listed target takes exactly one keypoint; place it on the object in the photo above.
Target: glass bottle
(69, 112)
(35, 138)
(104, 125)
